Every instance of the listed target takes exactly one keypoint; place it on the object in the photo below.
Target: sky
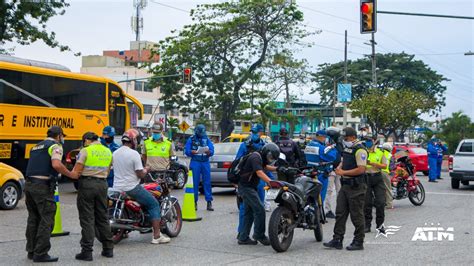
(93, 26)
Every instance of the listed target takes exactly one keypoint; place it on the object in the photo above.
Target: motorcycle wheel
(173, 228)
(417, 197)
(119, 234)
(318, 231)
(181, 178)
(280, 237)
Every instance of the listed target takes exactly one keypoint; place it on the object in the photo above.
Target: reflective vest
(387, 155)
(39, 163)
(158, 149)
(375, 157)
(98, 157)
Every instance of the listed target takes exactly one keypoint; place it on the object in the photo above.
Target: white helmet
(387, 146)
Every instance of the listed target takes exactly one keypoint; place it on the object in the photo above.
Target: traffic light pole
(374, 63)
(344, 110)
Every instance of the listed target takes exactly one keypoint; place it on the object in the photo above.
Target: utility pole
(374, 64)
(334, 103)
(344, 121)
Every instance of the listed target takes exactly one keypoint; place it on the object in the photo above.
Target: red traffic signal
(368, 16)
(187, 78)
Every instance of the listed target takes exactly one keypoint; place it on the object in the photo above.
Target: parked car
(243, 137)
(418, 156)
(12, 184)
(461, 164)
(224, 155)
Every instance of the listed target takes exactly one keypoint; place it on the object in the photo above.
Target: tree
(392, 113)
(455, 128)
(266, 113)
(173, 124)
(25, 22)
(227, 43)
(396, 72)
(292, 120)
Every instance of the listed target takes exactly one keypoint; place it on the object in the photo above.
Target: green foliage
(25, 22)
(226, 45)
(396, 72)
(292, 120)
(455, 128)
(266, 113)
(394, 112)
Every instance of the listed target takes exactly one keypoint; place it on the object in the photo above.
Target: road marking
(454, 194)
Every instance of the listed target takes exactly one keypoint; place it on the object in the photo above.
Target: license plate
(272, 194)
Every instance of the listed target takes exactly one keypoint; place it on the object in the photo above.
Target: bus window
(117, 111)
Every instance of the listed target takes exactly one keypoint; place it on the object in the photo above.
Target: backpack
(234, 171)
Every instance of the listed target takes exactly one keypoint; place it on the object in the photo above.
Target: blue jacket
(194, 143)
(314, 153)
(435, 150)
(243, 149)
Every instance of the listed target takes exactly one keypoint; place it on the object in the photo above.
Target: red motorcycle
(127, 215)
(406, 184)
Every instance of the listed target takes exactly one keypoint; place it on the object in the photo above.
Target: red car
(418, 155)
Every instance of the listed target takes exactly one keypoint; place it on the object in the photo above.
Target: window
(226, 149)
(275, 123)
(138, 85)
(148, 87)
(466, 147)
(58, 91)
(147, 109)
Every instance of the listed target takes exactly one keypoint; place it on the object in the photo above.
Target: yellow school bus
(34, 98)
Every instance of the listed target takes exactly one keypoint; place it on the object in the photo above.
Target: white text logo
(433, 233)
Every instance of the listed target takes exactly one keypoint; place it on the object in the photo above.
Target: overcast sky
(93, 26)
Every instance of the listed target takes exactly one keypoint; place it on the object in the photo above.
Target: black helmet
(270, 153)
(90, 136)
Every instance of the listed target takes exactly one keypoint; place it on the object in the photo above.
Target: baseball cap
(157, 127)
(55, 131)
(321, 133)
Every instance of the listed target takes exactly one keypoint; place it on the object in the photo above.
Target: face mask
(348, 144)
(255, 137)
(363, 133)
(61, 140)
(156, 136)
(102, 141)
(369, 144)
(109, 140)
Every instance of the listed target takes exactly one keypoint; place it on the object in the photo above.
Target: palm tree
(292, 120)
(173, 124)
(267, 113)
(314, 115)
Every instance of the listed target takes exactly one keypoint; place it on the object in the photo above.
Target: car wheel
(455, 183)
(9, 196)
(181, 178)
(426, 173)
(466, 183)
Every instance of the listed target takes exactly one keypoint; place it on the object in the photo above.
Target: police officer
(200, 163)
(291, 149)
(442, 148)
(351, 197)
(316, 152)
(387, 151)
(107, 139)
(375, 195)
(93, 166)
(157, 149)
(41, 173)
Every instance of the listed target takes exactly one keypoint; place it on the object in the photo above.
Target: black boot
(44, 258)
(84, 255)
(195, 206)
(108, 253)
(356, 245)
(330, 215)
(30, 255)
(209, 206)
(334, 243)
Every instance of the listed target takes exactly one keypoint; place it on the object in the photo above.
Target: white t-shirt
(126, 161)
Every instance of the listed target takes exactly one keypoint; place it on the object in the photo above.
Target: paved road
(212, 240)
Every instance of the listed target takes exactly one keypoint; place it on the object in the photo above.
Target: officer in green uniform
(93, 165)
(157, 149)
(387, 151)
(41, 173)
(375, 195)
(351, 197)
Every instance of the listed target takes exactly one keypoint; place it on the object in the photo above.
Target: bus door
(117, 109)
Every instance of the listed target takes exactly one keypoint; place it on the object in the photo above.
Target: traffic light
(368, 16)
(187, 78)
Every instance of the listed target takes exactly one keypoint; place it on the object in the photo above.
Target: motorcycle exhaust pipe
(115, 225)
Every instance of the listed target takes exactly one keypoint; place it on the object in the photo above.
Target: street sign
(161, 118)
(184, 126)
(344, 93)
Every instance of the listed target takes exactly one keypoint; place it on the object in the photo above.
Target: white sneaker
(162, 240)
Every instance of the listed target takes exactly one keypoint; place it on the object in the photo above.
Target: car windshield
(224, 149)
(418, 151)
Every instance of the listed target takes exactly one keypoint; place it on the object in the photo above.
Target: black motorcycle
(299, 206)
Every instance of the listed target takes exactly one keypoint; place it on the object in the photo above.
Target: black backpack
(234, 172)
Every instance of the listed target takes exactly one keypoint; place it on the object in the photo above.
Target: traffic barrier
(189, 211)
(58, 225)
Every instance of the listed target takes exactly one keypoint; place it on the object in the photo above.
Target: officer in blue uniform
(200, 163)
(441, 150)
(107, 140)
(435, 153)
(316, 152)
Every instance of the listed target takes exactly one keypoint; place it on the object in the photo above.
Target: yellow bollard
(58, 225)
(189, 212)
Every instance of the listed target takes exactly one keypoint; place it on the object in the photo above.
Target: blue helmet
(257, 128)
(321, 133)
(200, 130)
(109, 130)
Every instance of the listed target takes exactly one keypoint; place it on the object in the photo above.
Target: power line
(328, 14)
(172, 7)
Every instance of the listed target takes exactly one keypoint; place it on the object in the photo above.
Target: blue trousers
(110, 178)
(261, 196)
(439, 165)
(325, 180)
(202, 171)
(433, 168)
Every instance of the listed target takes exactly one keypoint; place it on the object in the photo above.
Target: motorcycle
(127, 215)
(406, 184)
(299, 206)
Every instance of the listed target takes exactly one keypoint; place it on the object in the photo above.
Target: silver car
(224, 155)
